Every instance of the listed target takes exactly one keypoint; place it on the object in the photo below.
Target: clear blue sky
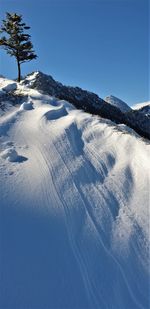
(99, 45)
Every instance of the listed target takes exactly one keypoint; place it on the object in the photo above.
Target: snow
(9, 154)
(74, 209)
(56, 113)
(143, 108)
(117, 103)
(6, 89)
(7, 85)
(26, 106)
(140, 105)
(30, 78)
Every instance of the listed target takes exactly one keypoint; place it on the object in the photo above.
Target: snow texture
(7, 85)
(10, 154)
(74, 214)
(26, 106)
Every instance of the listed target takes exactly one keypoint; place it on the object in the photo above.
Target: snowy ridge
(143, 108)
(74, 209)
(90, 102)
(140, 105)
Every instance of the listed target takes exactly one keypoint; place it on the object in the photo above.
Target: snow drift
(74, 210)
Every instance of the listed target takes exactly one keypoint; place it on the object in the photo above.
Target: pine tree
(16, 42)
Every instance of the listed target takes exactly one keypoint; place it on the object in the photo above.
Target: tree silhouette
(16, 42)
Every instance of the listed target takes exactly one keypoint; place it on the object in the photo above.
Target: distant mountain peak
(137, 106)
(111, 99)
(143, 108)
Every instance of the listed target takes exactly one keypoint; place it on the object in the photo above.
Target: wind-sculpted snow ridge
(74, 210)
(90, 102)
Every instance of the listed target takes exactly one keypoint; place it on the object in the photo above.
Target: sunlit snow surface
(140, 105)
(74, 230)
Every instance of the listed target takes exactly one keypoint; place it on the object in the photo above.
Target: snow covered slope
(6, 88)
(117, 103)
(74, 209)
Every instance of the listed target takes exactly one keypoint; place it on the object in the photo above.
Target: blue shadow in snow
(37, 265)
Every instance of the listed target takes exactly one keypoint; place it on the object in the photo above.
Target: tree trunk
(19, 70)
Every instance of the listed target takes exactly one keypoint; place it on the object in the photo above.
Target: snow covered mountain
(140, 105)
(143, 108)
(117, 103)
(74, 207)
